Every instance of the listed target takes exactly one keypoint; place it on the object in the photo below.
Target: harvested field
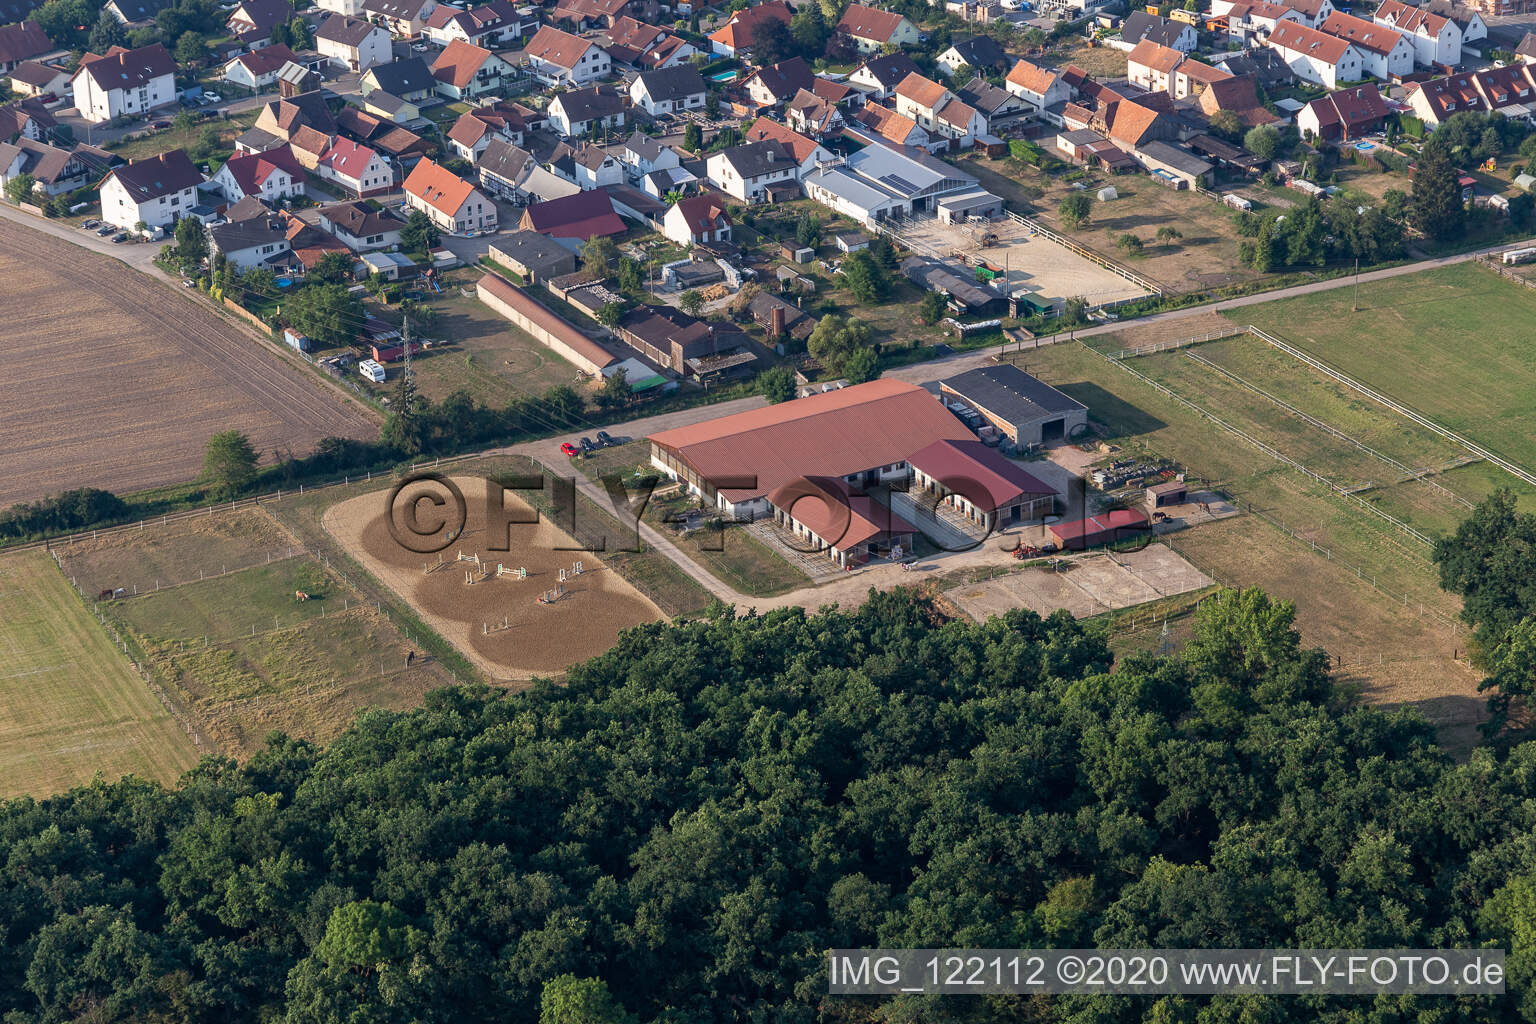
(156, 555)
(540, 639)
(70, 703)
(1093, 585)
(117, 381)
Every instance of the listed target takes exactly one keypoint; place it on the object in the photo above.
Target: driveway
(138, 255)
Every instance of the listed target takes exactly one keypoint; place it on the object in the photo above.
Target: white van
(371, 369)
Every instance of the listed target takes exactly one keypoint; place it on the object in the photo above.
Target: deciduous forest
(680, 831)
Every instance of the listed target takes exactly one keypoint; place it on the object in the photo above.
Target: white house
(747, 172)
(404, 18)
(586, 165)
(464, 71)
(54, 171)
(271, 176)
(155, 191)
(584, 111)
(452, 203)
(35, 78)
(492, 26)
(1313, 12)
(643, 154)
(871, 28)
(258, 69)
(1151, 67)
(1436, 39)
(938, 111)
(356, 167)
(253, 242)
(1384, 52)
(360, 227)
(353, 44)
(697, 220)
(350, 8)
(1037, 86)
(558, 58)
(808, 154)
(131, 82)
(668, 90)
(878, 77)
(1316, 57)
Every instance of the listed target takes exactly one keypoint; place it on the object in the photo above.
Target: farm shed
(1104, 528)
(537, 258)
(982, 484)
(1170, 492)
(1171, 160)
(549, 329)
(975, 205)
(1026, 409)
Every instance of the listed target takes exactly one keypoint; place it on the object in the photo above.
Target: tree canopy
(678, 831)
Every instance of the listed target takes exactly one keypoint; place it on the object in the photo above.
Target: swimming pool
(1365, 147)
(724, 76)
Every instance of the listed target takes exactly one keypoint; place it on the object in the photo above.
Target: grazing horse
(105, 595)
(299, 595)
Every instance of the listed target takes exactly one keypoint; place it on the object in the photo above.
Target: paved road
(138, 255)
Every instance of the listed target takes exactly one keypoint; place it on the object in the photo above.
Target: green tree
(810, 29)
(861, 366)
(867, 280)
(299, 35)
(333, 268)
(808, 229)
(190, 48)
(609, 314)
(1075, 209)
(419, 235)
(598, 254)
(1168, 234)
(568, 999)
(835, 340)
(191, 244)
(106, 33)
(631, 276)
(19, 189)
(1227, 124)
(772, 42)
(691, 301)
(1435, 206)
(229, 463)
(712, 105)
(615, 392)
(933, 308)
(1263, 141)
(693, 137)
(777, 384)
(327, 313)
(1131, 244)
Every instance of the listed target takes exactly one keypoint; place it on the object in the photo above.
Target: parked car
(587, 447)
(160, 125)
(90, 223)
(566, 448)
(105, 230)
(604, 438)
(212, 97)
(121, 236)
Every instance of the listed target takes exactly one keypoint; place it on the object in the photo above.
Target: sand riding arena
(509, 612)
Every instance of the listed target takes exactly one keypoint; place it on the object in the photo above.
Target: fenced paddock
(1090, 585)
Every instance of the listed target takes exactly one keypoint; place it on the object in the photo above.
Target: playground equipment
(520, 573)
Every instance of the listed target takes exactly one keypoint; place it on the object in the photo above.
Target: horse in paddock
(105, 595)
(299, 595)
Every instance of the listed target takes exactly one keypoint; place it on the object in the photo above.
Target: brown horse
(299, 595)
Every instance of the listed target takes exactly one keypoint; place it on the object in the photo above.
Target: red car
(566, 448)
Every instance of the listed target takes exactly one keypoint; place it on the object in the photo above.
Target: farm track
(163, 374)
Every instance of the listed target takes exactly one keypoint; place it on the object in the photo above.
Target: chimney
(776, 322)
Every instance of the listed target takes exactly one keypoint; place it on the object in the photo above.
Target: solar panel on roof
(896, 181)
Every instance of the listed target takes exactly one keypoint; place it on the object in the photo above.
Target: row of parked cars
(104, 230)
(586, 446)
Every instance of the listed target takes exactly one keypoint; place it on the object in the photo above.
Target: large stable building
(807, 463)
(1027, 410)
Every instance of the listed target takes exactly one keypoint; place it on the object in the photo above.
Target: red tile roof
(737, 33)
(583, 215)
(925, 92)
(827, 507)
(557, 47)
(1162, 59)
(764, 129)
(978, 473)
(869, 23)
(438, 187)
(1032, 78)
(1367, 35)
(459, 62)
(22, 40)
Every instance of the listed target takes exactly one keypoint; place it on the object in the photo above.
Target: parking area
(1035, 265)
(1085, 586)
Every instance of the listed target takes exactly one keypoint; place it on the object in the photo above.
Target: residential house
(136, 12)
(353, 44)
(753, 171)
(1507, 89)
(1344, 114)
(405, 19)
(410, 80)
(294, 78)
(586, 14)
(258, 69)
(807, 153)
(668, 90)
(1039, 87)
(34, 78)
(939, 111)
(1315, 56)
(360, 227)
(452, 203)
(813, 115)
(255, 19)
(474, 129)
(643, 155)
(778, 83)
(124, 82)
(697, 220)
(1176, 35)
(271, 176)
(464, 71)
(1436, 39)
(1150, 66)
(251, 243)
(980, 53)
(1313, 12)
(585, 111)
(640, 45)
(1250, 23)
(879, 76)
(682, 343)
(558, 58)
(1130, 125)
(1384, 52)
(1192, 78)
(54, 171)
(26, 118)
(154, 191)
(586, 165)
(891, 126)
(357, 168)
(734, 38)
(574, 218)
(1238, 94)
(1526, 51)
(872, 29)
(996, 106)
(1266, 67)
(492, 26)
(22, 41)
(280, 119)
(507, 171)
(307, 244)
